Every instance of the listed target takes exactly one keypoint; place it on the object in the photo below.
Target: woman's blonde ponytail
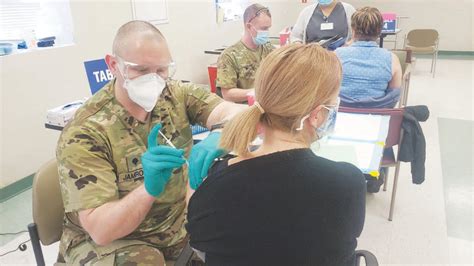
(290, 82)
(241, 131)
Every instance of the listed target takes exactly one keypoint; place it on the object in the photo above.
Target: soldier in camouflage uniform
(237, 65)
(110, 217)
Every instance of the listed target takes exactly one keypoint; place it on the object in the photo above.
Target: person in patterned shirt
(238, 63)
(123, 184)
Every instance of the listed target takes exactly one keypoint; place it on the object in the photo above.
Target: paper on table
(357, 127)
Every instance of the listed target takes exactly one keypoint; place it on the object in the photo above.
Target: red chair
(394, 138)
(212, 70)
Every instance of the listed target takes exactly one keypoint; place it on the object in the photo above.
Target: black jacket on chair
(413, 146)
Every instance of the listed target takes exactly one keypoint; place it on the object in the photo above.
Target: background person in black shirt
(281, 204)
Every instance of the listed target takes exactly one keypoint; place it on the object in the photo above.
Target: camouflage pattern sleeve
(199, 102)
(87, 176)
(268, 49)
(227, 75)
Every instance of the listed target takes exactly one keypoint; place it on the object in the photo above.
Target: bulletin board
(230, 10)
(153, 11)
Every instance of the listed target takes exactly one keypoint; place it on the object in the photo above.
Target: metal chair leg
(432, 63)
(35, 242)
(407, 89)
(435, 59)
(386, 179)
(394, 191)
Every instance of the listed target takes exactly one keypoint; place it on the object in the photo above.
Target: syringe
(171, 144)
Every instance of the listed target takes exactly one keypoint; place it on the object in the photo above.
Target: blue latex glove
(158, 163)
(201, 158)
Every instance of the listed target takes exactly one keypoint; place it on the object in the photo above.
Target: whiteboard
(153, 11)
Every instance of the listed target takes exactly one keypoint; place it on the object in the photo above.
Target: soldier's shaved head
(139, 43)
(132, 33)
(255, 10)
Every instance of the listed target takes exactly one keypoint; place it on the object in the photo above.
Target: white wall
(452, 19)
(34, 82)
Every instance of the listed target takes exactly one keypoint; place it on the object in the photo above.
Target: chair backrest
(422, 37)
(48, 208)
(212, 71)
(404, 55)
(395, 125)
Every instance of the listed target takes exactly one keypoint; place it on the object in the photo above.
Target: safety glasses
(133, 70)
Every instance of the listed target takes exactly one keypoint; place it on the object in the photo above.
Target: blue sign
(98, 74)
(389, 25)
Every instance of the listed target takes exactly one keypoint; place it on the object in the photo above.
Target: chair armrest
(407, 74)
(405, 86)
(185, 256)
(370, 259)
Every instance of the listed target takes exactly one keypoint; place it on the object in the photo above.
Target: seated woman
(371, 76)
(281, 204)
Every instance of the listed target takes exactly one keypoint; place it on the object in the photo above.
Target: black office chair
(370, 259)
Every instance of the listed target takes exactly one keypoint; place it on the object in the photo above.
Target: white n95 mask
(145, 90)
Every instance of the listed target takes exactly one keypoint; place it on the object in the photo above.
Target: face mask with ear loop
(327, 128)
(143, 90)
(325, 2)
(261, 38)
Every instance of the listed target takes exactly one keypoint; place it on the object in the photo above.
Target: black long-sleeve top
(285, 208)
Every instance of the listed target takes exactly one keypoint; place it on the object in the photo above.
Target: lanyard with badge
(327, 25)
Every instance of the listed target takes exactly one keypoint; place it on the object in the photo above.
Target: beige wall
(34, 82)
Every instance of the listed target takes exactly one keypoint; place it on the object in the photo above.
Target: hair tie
(260, 108)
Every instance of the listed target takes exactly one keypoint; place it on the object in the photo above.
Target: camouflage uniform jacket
(99, 161)
(238, 64)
